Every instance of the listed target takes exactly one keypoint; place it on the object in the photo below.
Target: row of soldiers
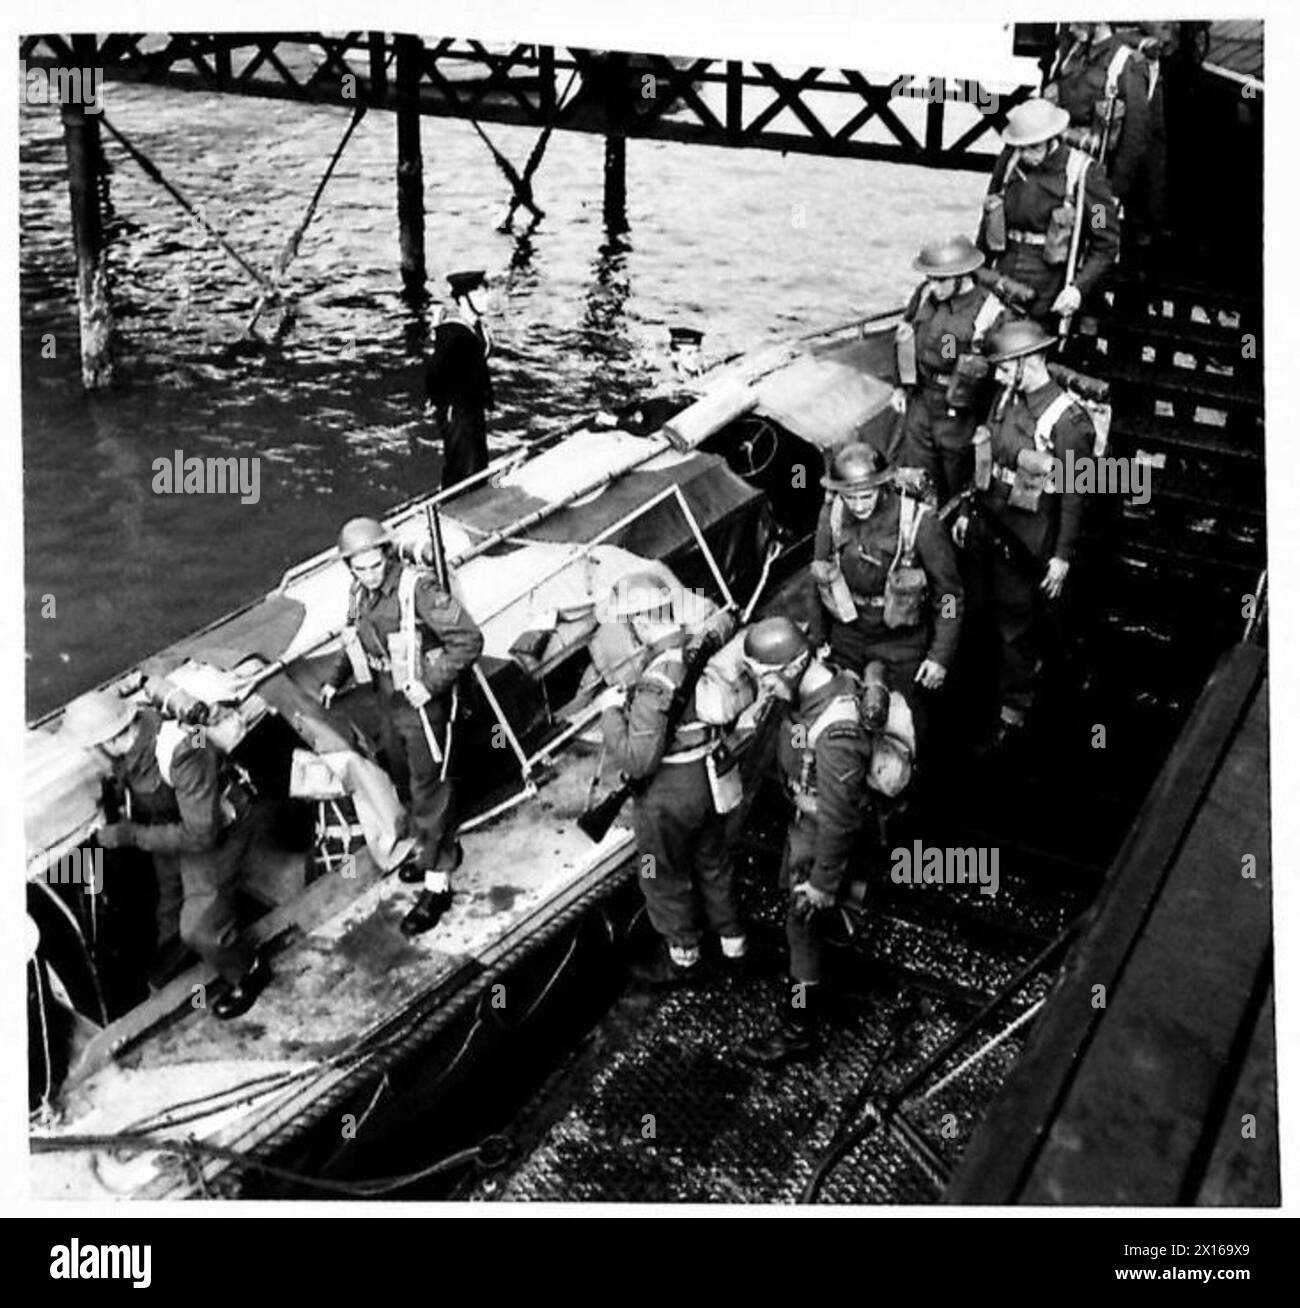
(852, 686)
(961, 518)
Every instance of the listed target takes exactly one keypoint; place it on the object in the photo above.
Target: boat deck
(340, 985)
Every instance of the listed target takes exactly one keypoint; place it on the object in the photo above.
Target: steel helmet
(639, 592)
(1034, 122)
(361, 534)
(954, 257)
(1015, 340)
(94, 718)
(857, 467)
(775, 643)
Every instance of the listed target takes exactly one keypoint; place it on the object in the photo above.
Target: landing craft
(718, 485)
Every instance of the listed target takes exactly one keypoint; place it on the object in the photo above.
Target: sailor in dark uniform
(406, 644)
(459, 382)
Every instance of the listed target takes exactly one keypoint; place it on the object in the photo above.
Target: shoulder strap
(1048, 419)
(406, 584)
(910, 513)
(1114, 69)
(1076, 170)
(988, 314)
(837, 528)
(843, 708)
(657, 671)
(171, 735)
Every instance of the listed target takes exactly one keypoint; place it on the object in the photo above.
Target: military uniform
(823, 753)
(937, 436)
(1051, 531)
(1078, 84)
(867, 549)
(189, 810)
(1029, 196)
(459, 386)
(673, 817)
(451, 643)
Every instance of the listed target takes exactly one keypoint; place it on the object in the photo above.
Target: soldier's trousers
(901, 650)
(803, 936)
(1011, 603)
(938, 439)
(684, 871)
(196, 896)
(397, 732)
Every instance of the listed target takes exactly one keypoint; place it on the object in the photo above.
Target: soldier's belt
(869, 601)
(1005, 474)
(692, 755)
(378, 663)
(1027, 238)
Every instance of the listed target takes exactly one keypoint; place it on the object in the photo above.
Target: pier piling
(85, 164)
(410, 166)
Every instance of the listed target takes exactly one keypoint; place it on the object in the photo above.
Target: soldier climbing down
(406, 644)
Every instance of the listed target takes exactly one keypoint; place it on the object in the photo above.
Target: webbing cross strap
(1048, 419)
(171, 736)
(989, 312)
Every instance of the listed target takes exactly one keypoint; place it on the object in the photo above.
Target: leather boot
(661, 973)
(412, 872)
(243, 994)
(794, 1039)
(426, 913)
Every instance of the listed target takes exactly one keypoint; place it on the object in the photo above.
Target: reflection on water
(747, 244)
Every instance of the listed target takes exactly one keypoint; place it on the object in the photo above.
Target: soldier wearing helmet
(1037, 429)
(406, 644)
(940, 369)
(686, 874)
(823, 756)
(1100, 81)
(886, 578)
(1042, 191)
(190, 810)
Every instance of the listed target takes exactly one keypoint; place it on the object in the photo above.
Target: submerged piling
(410, 165)
(85, 165)
(617, 116)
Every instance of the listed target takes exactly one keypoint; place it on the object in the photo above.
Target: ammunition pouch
(904, 596)
(967, 379)
(1032, 473)
(834, 590)
(1060, 229)
(995, 224)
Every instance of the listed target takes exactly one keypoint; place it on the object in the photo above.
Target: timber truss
(835, 112)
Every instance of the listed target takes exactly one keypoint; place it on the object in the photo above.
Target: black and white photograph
(668, 618)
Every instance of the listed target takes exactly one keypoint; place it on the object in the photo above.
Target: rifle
(1013, 550)
(595, 822)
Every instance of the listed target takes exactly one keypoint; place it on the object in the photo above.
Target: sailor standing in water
(458, 381)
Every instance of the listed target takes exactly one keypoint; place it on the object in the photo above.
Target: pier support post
(617, 114)
(410, 166)
(85, 164)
